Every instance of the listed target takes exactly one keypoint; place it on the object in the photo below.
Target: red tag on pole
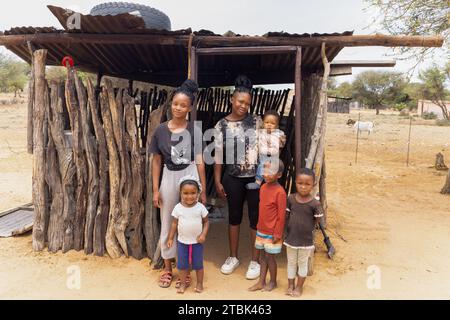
(67, 61)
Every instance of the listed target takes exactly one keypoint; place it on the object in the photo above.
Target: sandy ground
(387, 222)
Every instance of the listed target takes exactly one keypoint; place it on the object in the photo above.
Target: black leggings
(236, 195)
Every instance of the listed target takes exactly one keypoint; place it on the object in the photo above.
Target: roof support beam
(247, 50)
(340, 71)
(363, 63)
(217, 41)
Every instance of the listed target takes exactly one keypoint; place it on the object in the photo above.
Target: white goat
(363, 126)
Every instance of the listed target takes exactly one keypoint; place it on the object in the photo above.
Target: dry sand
(381, 213)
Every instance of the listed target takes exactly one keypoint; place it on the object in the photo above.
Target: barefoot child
(272, 212)
(303, 213)
(270, 141)
(190, 218)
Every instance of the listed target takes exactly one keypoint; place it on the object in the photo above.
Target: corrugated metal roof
(124, 23)
(167, 64)
(16, 221)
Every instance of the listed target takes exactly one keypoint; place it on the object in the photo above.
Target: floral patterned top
(236, 145)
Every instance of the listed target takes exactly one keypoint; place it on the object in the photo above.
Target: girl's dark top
(178, 150)
(233, 134)
(300, 221)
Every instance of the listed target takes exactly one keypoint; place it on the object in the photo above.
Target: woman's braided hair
(188, 87)
(243, 84)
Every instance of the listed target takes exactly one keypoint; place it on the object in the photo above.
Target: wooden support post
(99, 82)
(323, 192)
(298, 117)
(60, 177)
(130, 87)
(73, 107)
(151, 224)
(90, 149)
(101, 218)
(111, 242)
(39, 185)
(192, 74)
(409, 141)
(357, 139)
(30, 102)
(134, 231)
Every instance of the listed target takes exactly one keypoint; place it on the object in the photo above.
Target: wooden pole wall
(297, 103)
(115, 185)
(193, 75)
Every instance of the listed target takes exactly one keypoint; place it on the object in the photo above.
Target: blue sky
(252, 17)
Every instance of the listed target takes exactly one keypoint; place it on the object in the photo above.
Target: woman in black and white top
(236, 150)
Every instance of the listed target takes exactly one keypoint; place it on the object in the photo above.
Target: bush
(443, 123)
(404, 113)
(429, 115)
(400, 106)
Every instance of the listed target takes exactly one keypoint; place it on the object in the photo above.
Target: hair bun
(190, 86)
(243, 81)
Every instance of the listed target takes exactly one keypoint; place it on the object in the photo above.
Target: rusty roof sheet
(124, 23)
(167, 64)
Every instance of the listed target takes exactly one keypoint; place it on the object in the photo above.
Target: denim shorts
(190, 254)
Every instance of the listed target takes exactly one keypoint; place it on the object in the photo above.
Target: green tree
(412, 17)
(377, 88)
(434, 87)
(13, 74)
(332, 84)
(60, 73)
(412, 93)
(56, 73)
(343, 90)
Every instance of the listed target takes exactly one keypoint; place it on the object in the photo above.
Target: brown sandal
(187, 283)
(165, 280)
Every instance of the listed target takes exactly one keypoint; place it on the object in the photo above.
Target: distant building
(429, 107)
(339, 104)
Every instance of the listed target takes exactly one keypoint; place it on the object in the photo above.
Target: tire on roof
(153, 18)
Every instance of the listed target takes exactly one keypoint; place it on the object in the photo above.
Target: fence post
(357, 138)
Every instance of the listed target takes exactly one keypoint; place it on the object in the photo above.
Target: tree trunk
(39, 186)
(53, 177)
(323, 192)
(112, 244)
(439, 163)
(73, 107)
(101, 217)
(134, 231)
(30, 116)
(121, 222)
(446, 187)
(66, 167)
(152, 227)
(317, 148)
(90, 146)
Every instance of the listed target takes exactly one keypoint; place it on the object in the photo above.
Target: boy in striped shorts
(272, 212)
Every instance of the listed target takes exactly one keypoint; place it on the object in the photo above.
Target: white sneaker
(253, 270)
(230, 265)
